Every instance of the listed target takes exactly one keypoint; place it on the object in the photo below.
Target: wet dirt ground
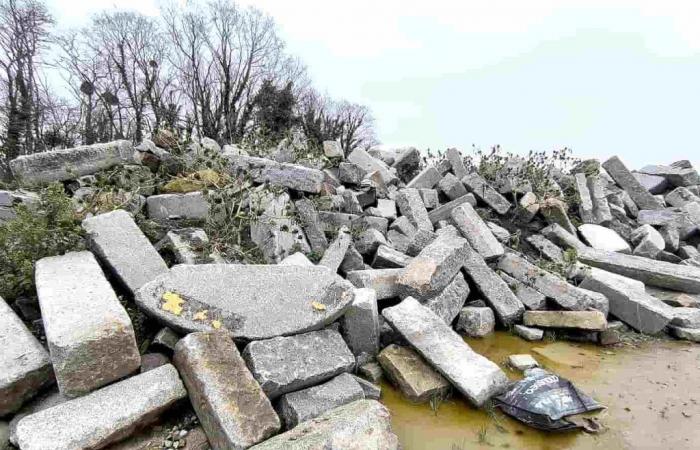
(651, 390)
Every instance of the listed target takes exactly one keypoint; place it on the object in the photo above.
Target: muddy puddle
(651, 389)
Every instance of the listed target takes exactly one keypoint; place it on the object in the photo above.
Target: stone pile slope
(378, 263)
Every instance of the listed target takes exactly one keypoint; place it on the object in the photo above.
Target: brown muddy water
(651, 390)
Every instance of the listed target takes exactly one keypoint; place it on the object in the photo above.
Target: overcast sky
(601, 77)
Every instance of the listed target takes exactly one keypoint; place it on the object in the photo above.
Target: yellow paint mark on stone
(201, 315)
(318, 306)
(216, 324)
(172, 303)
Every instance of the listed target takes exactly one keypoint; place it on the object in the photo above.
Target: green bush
(46, 228)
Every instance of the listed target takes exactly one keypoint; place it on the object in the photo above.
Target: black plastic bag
(544, 400)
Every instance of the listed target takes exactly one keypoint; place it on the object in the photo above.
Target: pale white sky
(602, 77)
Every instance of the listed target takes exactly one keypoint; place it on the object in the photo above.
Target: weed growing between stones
(47, 228)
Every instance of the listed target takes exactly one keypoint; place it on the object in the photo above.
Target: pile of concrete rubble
(410, 257)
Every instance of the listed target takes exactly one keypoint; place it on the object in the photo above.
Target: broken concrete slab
(508, 308)
(230, 405)
(444, 212)
(529, 334)
(287, 364)
(360, 324)
(487, 194)
(309, 221)
(656, 273)
(528, 296)
(85, 422)
(70, 163)
(411, 205)
(602, 238)
(303, 405)
(624, 178)
(409, 372)
(192, 205)
(582, 320)
(426, 179)
(448, 303)
(474, 376)
(335, 252)
(383, 281)
(633, 306)
(476, 321)
(25, 367)
(90, 336)
(363, 424)
(476, 232)
(434, 268)
(564, 294)
(292, 176)
(121, 246)
(248, 301)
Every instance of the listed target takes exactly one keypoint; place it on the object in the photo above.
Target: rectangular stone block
(582, 320)
(476, 232)
(335, 252)
(300, 406)
(104, 416)
(124, 249)
(230, 405)
(426, 179)
(529, 297)
(308, 218)
(382, 281)
(456, 160)
(411, 205)
(389, 258)
(508, 308)
(656, 273)
(360, 324)
(564, 294)
(487, 194)
(585, 206)
(90, 336)
(370, 164)
(25, 367)
(292, 176)
(192, 205)
(434, 267)
(624, 178)
(443, 212)
(287, 364)
(449, 302)
(409, 372)
(474, 376)
(70, 163)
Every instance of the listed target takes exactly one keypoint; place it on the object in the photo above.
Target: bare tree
(24, 32)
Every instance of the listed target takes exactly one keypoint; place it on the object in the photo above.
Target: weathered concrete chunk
(474, 376)
(292, 176)
(477, 233)
(124, 249)
(25, 367)
(500, 297)
(529, 334)
(287, 364)
(248, 301)
(564, 294)
(104, 416)
(554, 211)
(411, 205)
(308, 218)
(585, 206)
(601, 207)
(449, 302)
(487, 194)
(70, 163)
(387, 257)
(300, 406)
(529, 297)
(432, 270)
(360, 324)
(602, 238)
(637, 309)
(230, 405)
(475, 321)
(335, 252)
(655, 273)
(363, 424)
(409, 372)
(177, 206)
(90, 336)
(383, 281)
(582, 320)
(370, 164)
(624, 178)
(677, 176)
